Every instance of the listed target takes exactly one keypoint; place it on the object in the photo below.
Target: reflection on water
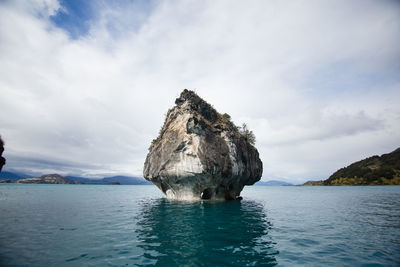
(205, 233)
(96, 225)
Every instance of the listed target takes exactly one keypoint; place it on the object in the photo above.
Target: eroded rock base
(199, 187)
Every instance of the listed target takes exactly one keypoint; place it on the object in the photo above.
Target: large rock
(200, 153)
(2, 159)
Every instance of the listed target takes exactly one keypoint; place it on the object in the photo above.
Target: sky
(85, 85)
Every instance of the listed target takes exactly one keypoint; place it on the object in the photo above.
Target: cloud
(311, 78)
(313, 126)
(41, 8)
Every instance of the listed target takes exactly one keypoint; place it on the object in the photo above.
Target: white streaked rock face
(232, 153)
(200, 154)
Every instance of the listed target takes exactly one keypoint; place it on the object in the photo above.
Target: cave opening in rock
(164, 187)
(206, 194)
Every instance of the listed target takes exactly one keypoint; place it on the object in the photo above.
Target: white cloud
(314, 126)
(43, 8)
(316, 80)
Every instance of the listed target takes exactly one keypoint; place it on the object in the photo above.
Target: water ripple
(79, 225)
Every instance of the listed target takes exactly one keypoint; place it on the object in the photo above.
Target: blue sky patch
(75, 17)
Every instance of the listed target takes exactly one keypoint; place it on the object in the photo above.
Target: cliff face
(200, 154)
(2, 159)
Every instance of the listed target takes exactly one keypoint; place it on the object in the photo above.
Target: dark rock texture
(200, 153)
(2, 159)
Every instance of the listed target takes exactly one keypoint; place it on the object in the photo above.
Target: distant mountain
(127, 180)
(375, 170)
(123, 180)
(47, 179)
(273, 183)
(13, 176)
(86, 180)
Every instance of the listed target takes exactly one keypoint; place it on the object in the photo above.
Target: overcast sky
(84, 87)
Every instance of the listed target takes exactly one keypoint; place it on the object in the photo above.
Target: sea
(121, 225)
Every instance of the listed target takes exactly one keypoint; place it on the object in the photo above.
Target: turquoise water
(82, 225)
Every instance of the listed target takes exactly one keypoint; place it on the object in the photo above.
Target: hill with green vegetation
(375, 170)
(313, 183)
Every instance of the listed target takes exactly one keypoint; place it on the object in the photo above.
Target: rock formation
(200, 153)
(2, 159)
